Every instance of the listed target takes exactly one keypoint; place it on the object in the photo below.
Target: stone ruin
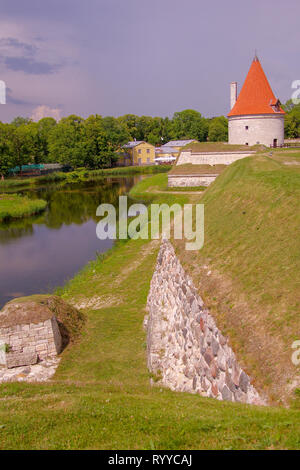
(29, 333)
(33, 332)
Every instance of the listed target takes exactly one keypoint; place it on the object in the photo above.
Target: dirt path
(97, 302)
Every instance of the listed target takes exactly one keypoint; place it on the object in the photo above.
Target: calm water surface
(40, 253)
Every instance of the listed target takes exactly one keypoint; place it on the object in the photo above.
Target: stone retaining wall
(29, 342)
(211, 158)
(190, 180)
(186, 351)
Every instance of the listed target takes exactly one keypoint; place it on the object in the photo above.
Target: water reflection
(41, 252)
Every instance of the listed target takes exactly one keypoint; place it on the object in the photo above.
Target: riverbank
(14, 206)
(101, 396)
(81, 175)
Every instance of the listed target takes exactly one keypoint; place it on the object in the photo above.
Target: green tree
(130, 122)
(21, 144)
(292, 120)
(189, 124)
(19, 121)
(44, 128)
(117, 133)
(65, 142)
(98, 149)
(218, 129)
(6, 159)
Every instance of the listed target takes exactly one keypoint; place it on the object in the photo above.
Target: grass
(14, 206)
(130, 170)
(100, 397)
(218, 147)
(191, 169)
(81, 175)
(252, 249)
(187, 188)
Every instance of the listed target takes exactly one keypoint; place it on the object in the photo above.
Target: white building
(256, 116)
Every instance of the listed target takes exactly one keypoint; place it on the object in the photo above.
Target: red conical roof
(256, 96)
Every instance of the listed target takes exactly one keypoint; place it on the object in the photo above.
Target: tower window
(246, 127)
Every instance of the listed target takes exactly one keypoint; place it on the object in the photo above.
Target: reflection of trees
(72, 204)
(12, 232)
(78, 205)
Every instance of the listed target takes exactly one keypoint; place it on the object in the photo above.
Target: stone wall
(186, 351)
(211, 158)
(30, 342)
(256, 129)
(190, 180)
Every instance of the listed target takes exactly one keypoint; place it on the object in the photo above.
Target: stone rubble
(39, 372)
(185, 349)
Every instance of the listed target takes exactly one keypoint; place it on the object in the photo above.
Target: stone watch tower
(256, 116)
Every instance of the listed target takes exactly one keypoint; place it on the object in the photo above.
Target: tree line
(95, 142)
(292, 120)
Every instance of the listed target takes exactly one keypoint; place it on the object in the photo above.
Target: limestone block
(23, 359)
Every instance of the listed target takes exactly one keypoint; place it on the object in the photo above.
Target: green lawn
(14, 206)
(101, 396)
(252, 248)
(190, 169)
(219, 147)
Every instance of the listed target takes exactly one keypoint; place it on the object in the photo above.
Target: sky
(145, 57)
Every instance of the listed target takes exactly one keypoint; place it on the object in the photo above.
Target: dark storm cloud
(14, 43)
(30, 66)
(20, 56)
(10, 98)
(146, 57)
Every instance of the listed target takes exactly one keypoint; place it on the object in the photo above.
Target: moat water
(38, 254)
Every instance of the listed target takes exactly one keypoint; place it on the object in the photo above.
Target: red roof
(256, 96)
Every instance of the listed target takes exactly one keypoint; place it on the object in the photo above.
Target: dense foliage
(95, 142)
(292, 120)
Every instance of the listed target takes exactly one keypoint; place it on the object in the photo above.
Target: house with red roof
(256, 116)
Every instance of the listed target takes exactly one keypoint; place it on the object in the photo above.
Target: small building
(173, 147)
(139, 152)
(164, 155)
(256, 116)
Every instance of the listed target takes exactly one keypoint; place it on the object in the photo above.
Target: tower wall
(254, 129)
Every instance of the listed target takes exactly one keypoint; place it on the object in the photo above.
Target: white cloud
(43, 111)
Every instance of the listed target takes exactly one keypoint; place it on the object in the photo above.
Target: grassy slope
(14, 206)
(252, 249)
(101, 396)
(190, 169)
(218, 147)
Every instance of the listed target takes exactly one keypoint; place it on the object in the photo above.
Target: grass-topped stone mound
(191, 169)
(220, 147)
(36, 327)
(14, 206)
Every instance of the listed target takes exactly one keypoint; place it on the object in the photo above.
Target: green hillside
(252, 248)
